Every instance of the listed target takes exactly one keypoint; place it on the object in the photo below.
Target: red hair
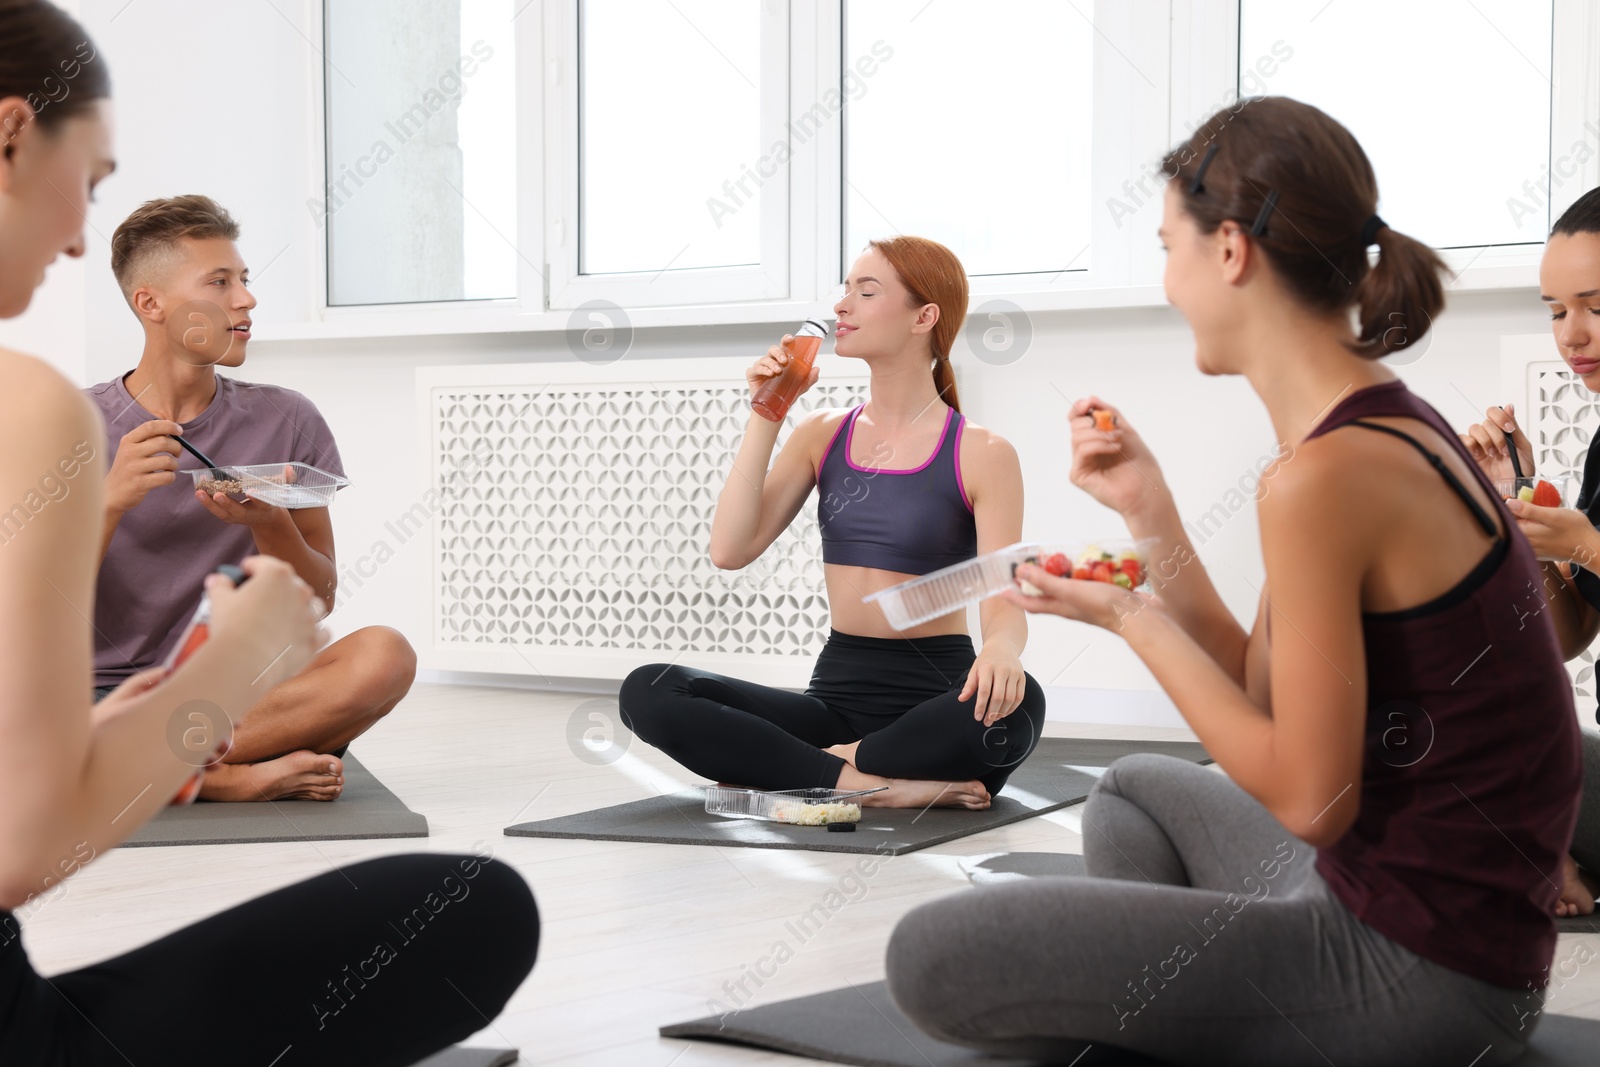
(933, 275)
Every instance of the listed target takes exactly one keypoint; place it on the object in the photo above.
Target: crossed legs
(288, 745)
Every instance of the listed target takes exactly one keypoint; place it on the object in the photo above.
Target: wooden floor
(634, 936)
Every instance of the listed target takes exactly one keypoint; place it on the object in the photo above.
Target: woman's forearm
(1575, 619)
(1180, 579)
(139, 758)
(737, 520)
(1004, 625)
(1247, 742)
(118, 772)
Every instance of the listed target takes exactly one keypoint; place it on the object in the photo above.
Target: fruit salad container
(951, 588)
(1559, 492)
(801, 807)
(283, 485)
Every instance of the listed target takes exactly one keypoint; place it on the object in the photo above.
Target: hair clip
(1197, 186)
(1259, 227)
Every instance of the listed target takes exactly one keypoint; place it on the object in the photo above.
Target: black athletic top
(1586, 580)
(913, 520)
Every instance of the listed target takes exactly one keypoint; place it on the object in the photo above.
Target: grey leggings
(1203, 936)
(1586, 838)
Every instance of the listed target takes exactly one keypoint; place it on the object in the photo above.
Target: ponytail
(1310, 190)
(1399, 296)
(944, 380)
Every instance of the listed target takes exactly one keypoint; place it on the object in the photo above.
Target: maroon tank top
(1471, 773)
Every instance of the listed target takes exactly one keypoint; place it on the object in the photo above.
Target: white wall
(217, 100)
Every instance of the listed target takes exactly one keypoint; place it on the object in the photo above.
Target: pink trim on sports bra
(837, 430)
(884, 470)
(959, 483)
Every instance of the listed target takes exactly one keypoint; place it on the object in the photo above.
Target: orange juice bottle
(774, 395)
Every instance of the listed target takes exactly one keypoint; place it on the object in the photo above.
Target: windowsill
(1516, 272)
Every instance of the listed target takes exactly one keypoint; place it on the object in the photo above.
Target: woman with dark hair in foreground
(379, 963)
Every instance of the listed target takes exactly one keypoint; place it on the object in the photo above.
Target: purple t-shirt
(150, 581)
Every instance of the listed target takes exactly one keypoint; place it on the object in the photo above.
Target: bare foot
(914, 792)
(1578, 890)
(845, 752)
(303, 775)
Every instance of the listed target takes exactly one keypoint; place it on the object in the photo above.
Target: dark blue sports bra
(909, 521)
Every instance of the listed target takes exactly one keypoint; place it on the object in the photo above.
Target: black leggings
(898, 697)
(380, 963)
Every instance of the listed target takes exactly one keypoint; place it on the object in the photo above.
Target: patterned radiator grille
(579, 516)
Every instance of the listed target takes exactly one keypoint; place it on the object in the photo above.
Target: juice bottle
(774, 395)
(194, 636)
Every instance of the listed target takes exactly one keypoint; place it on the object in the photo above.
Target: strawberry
(1133, 570)
(1546, 495)
(1057, 565)
(1101, 572)
(1083, 572)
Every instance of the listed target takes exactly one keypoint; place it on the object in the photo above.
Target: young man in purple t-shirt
(182, 274)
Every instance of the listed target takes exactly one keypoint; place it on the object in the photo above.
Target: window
(1475, 125)
(972, 128)
(554, 165)
(670, 127)
(672, 159)
(420, 201)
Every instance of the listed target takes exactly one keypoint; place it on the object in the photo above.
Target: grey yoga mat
(1060, 771)
(470, 1057)
(861, 1025)
(1009, 866)
(366, 810)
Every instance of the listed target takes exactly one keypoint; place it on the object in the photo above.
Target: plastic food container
(943, 591)
(1568, 487)
(804, 807)
(283, 485)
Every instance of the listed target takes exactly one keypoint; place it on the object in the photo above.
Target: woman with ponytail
(1371, 882)
(268, 981)
(906, 485)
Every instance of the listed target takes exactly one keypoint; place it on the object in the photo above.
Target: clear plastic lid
(283, 485)
(801, 807)
(950, 588)
(1566, 486)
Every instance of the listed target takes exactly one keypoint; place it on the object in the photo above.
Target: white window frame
(1210, 64)
(442, 316)
(1187, 49)
(766, 280)
(1131, 66)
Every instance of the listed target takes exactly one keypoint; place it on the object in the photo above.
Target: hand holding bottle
(787, 370)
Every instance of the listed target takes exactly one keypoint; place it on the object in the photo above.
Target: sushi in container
(951, 588)
(802, 807)
(282, 485)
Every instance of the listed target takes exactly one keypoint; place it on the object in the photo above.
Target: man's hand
(247, 512)
(147, 458)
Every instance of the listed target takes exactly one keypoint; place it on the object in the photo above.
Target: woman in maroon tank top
(1401, 747)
